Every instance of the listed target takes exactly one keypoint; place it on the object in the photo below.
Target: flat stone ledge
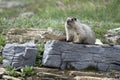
(64, 55)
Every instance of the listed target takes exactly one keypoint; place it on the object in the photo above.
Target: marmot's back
(90, 34)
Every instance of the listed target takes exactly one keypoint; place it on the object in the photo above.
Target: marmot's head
(71, 21)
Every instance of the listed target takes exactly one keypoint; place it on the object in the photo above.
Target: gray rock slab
(64, 55)
(55, 59)
(17, 55)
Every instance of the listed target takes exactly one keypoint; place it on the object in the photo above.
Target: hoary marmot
(77, 32)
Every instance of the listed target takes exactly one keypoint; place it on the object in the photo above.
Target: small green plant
(8, 68)
(91, 68)
(14, 73)
(112, 72)
(39, 54)
(27, 71)
(11, 71)
(1, 58)
(2, 41)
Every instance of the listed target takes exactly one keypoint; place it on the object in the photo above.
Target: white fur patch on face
(71, 20)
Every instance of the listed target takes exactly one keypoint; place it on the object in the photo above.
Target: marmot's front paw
(68, 40)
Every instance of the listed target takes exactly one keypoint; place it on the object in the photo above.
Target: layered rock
(18, 55)
(113, 36)
(64, 55)
(36, 35)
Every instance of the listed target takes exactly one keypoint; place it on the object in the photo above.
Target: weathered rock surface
(64, 55)
(51, 76)
(91, 78)
(17, 55)
(2, 70)
(6, 77)
(113, 36)
(26, 14)
(56, 74)
(10, 4)
(36, 35)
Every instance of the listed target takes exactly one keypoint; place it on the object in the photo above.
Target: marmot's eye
(74, 19)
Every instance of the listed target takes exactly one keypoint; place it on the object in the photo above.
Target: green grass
(8, 68)
(2, 41)
(100, 14)
(91, 68)
(1, 59)
(14, 73)
(25, 72)
(40, 48)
